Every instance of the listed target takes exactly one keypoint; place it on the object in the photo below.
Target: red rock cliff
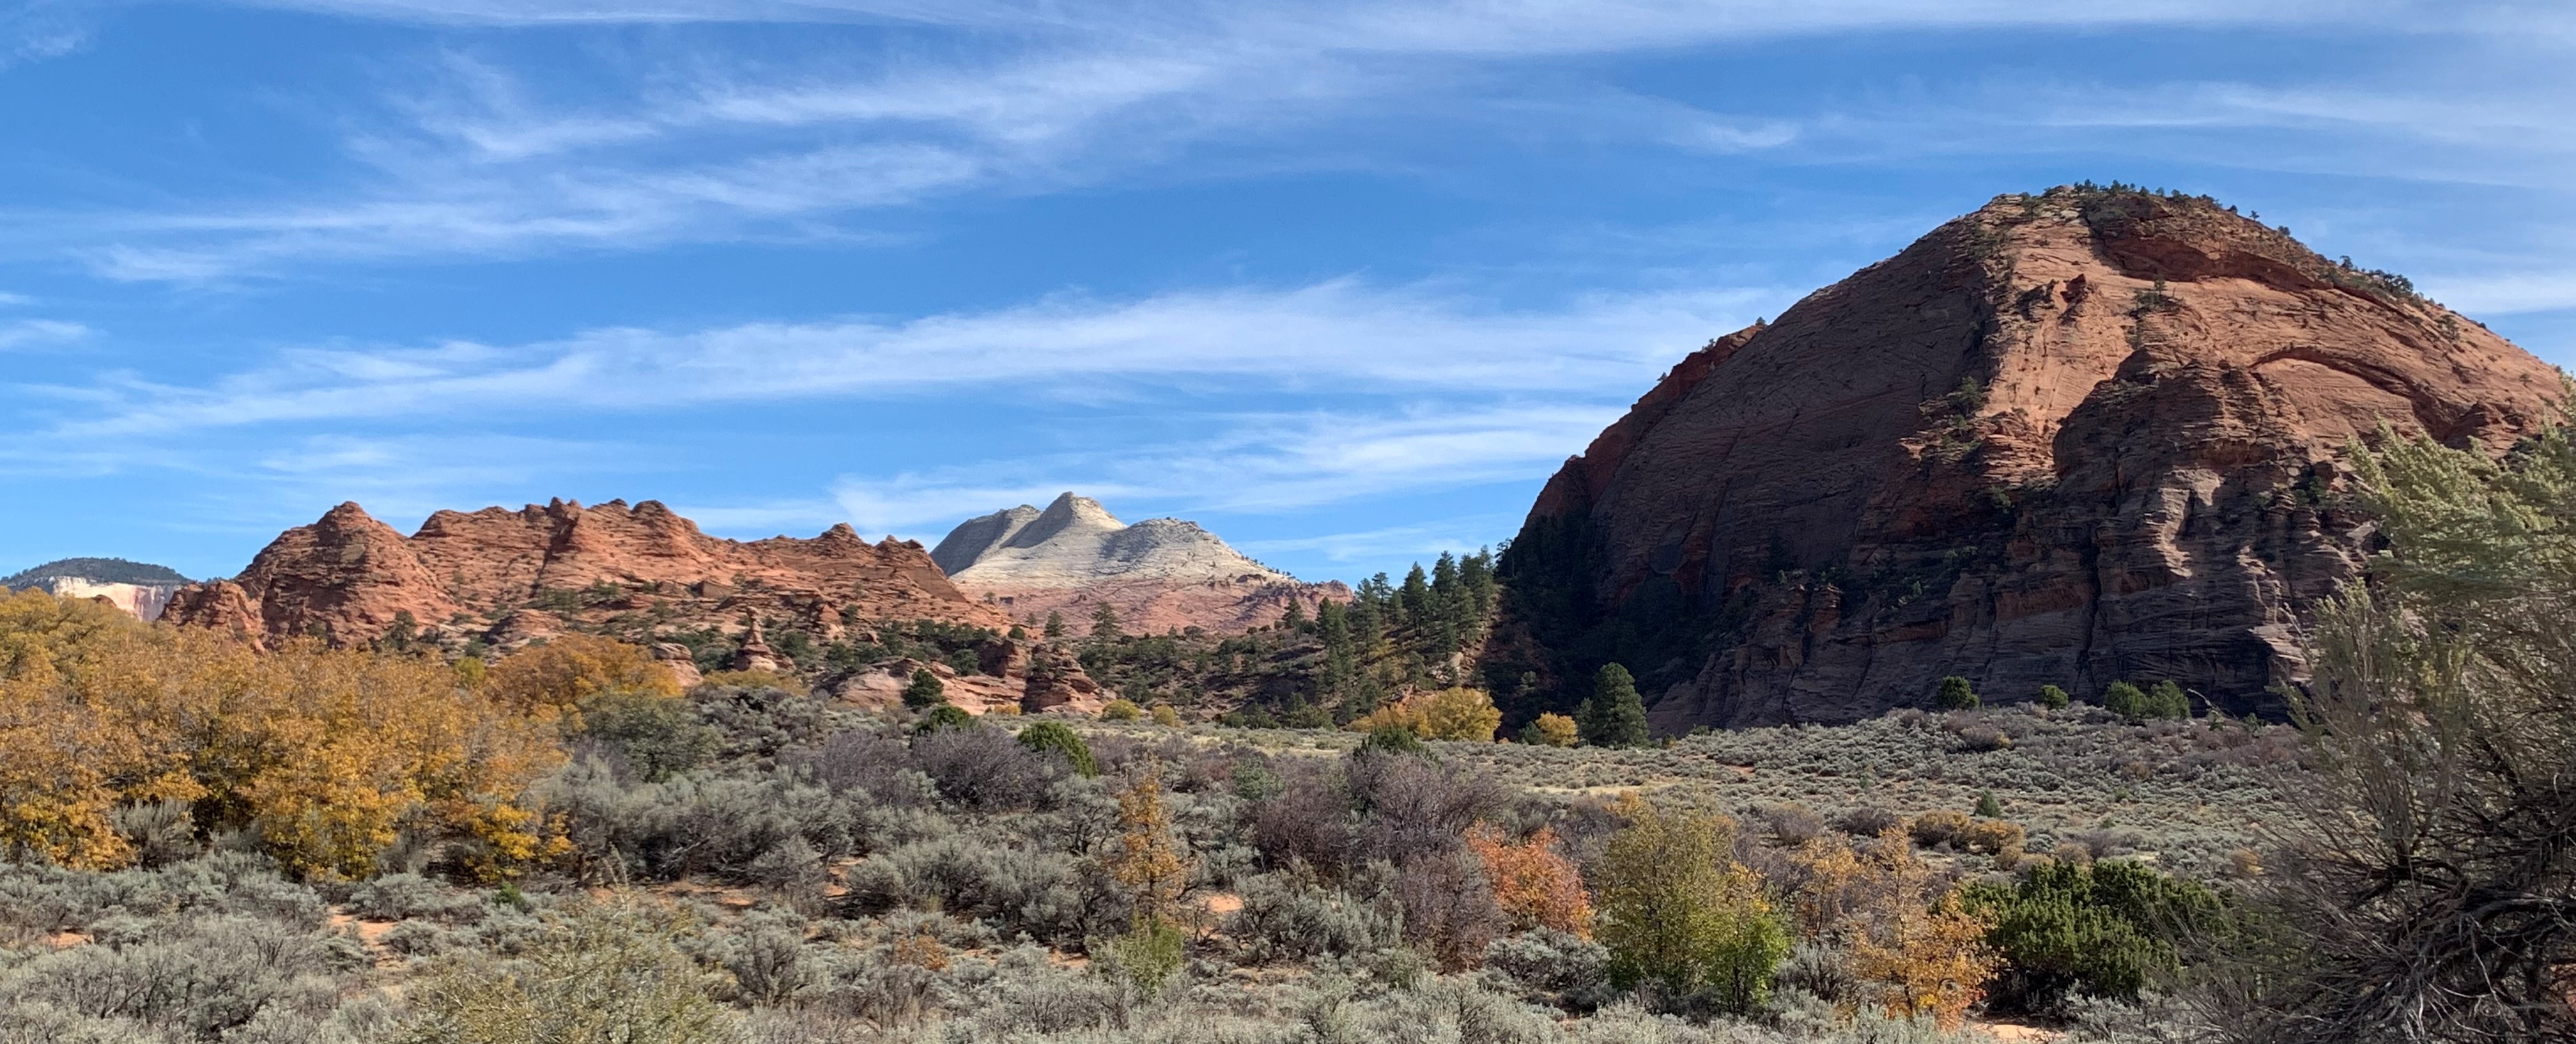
(2071, 438)
(512, 575)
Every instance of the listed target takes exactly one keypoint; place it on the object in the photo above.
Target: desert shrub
(600, 974)
(690, 824)
(394, 897)
(1988, 836)
(1551, 730)
(1412, 807)
(2053, 697)
(196, 979)
(1557, 967)
(2125, 700)
(1790, 825)
(876, 764)
(1054, 738)
(767, 960)
(1954, 693)
(1449, 909)
(985, 769)
(1938, 827)
(1121, 709)
(1290, 916)
(1043, 895)
(1868, 821)
(2107, 930)
(1677, 912)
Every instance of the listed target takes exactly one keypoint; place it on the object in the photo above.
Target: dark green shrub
(2125, 700)
(1956, 694)
(1394, 739)
(1053, 737)
(2053, 698)
(2167, 700)
(2108, 930)
(943, 716)
(924, 690)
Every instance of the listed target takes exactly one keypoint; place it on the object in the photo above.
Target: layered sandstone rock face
(1160, 574)
(2071, 438)
(510, 577)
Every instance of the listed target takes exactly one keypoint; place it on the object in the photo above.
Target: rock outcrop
(1157, 575)
(2072, 438)
(139, 588)
(508, 577)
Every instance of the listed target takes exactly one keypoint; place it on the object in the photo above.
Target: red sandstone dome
(2072, 438)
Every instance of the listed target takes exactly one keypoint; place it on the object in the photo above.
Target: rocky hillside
(139, 588)
(1156, 575)
(2071, 438)
(505, 577)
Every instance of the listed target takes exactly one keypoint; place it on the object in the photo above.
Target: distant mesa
(1157, 575)
(509, 577)
(2076, 437)
(139, 588)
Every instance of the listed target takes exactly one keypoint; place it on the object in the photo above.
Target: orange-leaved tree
(1909, 943)
(1534, 882)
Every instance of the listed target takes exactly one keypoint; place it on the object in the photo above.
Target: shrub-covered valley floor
(754, 865)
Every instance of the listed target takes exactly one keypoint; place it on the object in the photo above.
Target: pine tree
(1054, 625)
(1414, 598)
(1104, 624)
(1295, 618)
(1615, 716)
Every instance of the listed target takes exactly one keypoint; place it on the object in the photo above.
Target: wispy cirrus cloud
(1338, 336)
(989, 98)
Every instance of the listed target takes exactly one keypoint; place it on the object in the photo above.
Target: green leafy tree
(1956, 694)
(1616, 715)
(2053, 698)
(925, 690)
(1678, 912)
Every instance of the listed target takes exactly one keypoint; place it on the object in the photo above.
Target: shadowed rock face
(2071, 438)
(513, 576)
(1158, 574)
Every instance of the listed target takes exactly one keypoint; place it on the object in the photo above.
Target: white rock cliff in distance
(1159, 574)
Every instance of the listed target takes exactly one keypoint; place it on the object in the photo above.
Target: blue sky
(1343, 281)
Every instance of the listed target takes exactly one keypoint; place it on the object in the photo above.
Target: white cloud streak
(1336, 336)
(40, 333)
(1046, 96)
